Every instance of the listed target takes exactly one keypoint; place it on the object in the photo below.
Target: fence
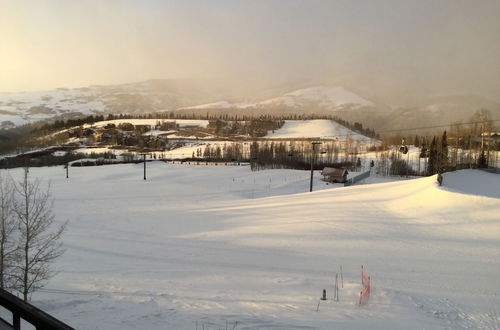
(186, 162)
(357, 178)
(364, 295)
(23, 311)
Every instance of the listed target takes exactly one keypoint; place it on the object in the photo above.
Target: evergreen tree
(358, 164)
(443, 153)
(433, 158)
(481, 161)
(416, 141)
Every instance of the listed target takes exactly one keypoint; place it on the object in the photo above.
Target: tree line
(51, 126)
(273, 155)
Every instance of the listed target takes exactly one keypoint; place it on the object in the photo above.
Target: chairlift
(403, 150)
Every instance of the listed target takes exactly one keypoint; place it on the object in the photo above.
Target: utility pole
(482, 138)
(67, 170)
(144, 155)
(408, 164)
(312, 164)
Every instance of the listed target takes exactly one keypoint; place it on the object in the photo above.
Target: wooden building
(334, 174)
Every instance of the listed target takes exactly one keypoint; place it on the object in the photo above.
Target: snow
(220, 105)
(156, 132)
(318, 128)
(57, 102)
(59, 153)
(327, 97)
(466, 182)
(196, 247)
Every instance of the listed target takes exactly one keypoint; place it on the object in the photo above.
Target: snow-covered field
(224, 247)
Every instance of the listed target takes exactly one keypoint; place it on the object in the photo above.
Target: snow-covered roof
(334, 171)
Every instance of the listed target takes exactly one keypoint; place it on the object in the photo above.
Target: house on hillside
(142, 128)
(494, 137)
(488, 137)
(334, 174)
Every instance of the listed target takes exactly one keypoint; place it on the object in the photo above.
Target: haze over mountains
(193, 97)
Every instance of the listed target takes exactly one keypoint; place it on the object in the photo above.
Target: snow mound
(473, 182)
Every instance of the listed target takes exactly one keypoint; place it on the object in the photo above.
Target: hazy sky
(435, 46)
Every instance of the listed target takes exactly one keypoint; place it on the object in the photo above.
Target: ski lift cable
(436, 126)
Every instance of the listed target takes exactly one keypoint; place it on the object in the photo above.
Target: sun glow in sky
(446, 46)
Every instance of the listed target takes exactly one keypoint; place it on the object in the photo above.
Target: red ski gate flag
(364, 295)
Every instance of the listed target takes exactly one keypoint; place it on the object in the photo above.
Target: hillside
(320, 97)
(440, 110)
(143, 97)
(196, 247)
(187, 97)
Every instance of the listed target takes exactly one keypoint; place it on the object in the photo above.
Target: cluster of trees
(298, 155)
(438, 155)
(29, 243)
(253, 128)
(464, 145)
(265, 155)
(358, 127)
(59, 124)
(45, 159)
(39, 134)
(228, 152)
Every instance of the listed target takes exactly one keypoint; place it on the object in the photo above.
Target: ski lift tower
(312, 164)
(144, 159)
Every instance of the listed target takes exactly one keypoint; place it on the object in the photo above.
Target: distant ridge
(194, 97)
(324, 97)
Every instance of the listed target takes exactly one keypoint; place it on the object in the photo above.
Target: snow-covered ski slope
(318, 128)
(205, 247)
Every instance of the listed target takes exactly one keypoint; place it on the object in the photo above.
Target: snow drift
(207, 246)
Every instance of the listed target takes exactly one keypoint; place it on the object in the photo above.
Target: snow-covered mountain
(187, 96)
(20, 108)
(144, 97)
(317, 97)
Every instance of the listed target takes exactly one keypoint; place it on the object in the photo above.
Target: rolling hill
(191, 97)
